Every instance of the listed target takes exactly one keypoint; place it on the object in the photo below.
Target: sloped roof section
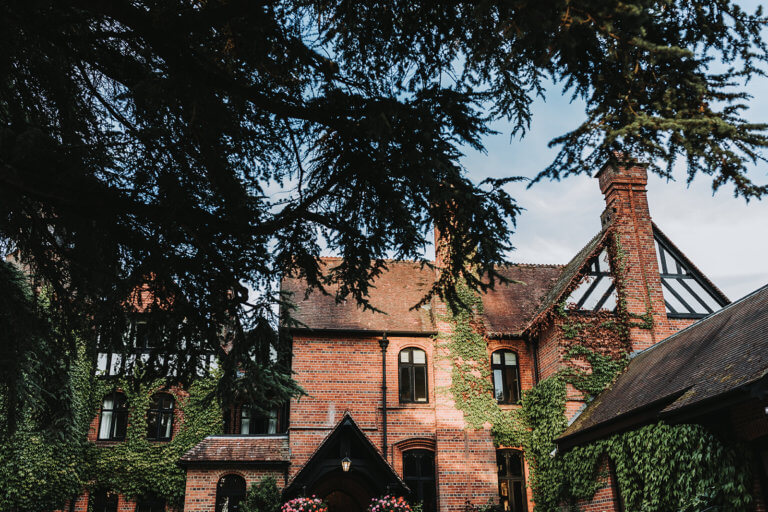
(346, 439)
(568, 274)
(402, 285)
(243, 450)
(720, 354)
(507, 307)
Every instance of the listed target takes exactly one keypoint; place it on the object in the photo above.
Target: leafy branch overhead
(208, 147)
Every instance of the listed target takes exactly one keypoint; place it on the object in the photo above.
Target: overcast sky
(725, 237)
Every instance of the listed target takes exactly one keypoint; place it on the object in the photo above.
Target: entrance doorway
(344, 493)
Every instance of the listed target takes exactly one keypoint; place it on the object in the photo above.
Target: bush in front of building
(263, 496)
(313, 504)
(389, 504)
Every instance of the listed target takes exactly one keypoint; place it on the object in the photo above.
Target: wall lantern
(345, 463)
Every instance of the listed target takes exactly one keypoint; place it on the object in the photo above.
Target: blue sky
(724, 236)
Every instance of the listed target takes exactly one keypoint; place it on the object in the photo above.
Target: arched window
(150, 503)
(413, 375)
(506, 377)
(511, 480)
(160, 417)
(114, 417)
(101, 500)
(419, 475)
(230, 492)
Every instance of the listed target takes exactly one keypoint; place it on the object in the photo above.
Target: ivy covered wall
(42, 470)
(658, 467)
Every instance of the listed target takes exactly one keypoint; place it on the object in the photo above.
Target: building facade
(379, 417)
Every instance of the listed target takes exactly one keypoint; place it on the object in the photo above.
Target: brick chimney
(624, 188)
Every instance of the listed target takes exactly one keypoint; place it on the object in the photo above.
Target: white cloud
(725, 237)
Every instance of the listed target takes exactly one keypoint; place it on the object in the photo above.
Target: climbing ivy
(471, 386)
(42, 471)
(658, 467)
(137, 466)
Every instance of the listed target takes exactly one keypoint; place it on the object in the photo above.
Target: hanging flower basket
(389, 504)
(312, 504)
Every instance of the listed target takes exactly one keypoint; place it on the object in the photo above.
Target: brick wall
(606, 498)
(626, 201)
(344, 374)
(201, 485)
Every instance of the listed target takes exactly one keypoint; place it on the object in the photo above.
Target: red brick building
(713, 374)
(378, 416)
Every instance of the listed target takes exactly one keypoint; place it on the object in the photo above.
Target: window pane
(404, 356)
(101, 364)
(518, 496)
(103, 501)
(410, 465)
(419, 357)
(501, 462)
(106, 424)
(498, 385)
(245, 423)
(496, 358)
(510, 358)
(428, 465)
(152, 425)
(515, 464)
(121, 424)
(420, 373)
(167, 422)
(116, 360)
(405, 384)
(272, 426)
(510, 374)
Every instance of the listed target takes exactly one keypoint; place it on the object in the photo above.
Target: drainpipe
(384, 343)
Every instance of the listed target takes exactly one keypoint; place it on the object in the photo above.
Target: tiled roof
(720, 354)
(238, 449)
(394, 292)
(569, 272)
(507, 307)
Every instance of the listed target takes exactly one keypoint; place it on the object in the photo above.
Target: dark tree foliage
(33, 366)
(200, 148)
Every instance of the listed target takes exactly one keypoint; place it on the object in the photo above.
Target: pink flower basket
(389, 504)
(312, 504)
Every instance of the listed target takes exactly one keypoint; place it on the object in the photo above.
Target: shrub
(312, 504)
(389, 504)
(263, 496)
